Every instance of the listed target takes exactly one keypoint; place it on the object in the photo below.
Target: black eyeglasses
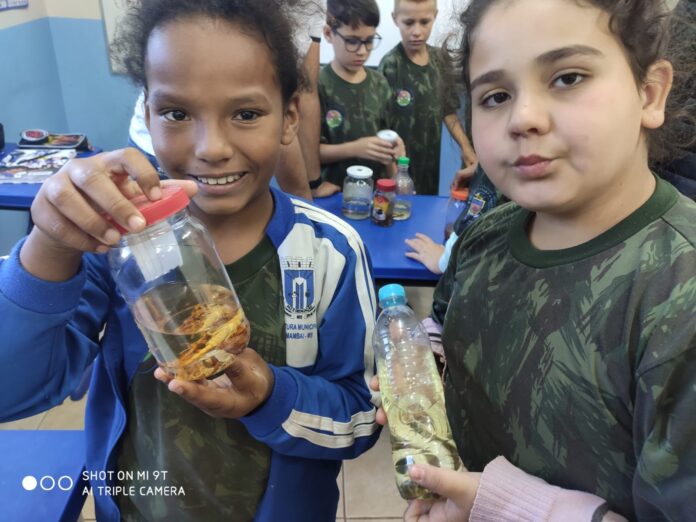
(354, 44)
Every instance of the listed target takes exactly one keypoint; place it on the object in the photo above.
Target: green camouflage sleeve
(663, 425)
(387, 69)
(445, 288)
(385, 96)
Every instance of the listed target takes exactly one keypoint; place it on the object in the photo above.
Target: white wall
(444, 24)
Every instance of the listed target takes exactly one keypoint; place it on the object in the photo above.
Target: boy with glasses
(422, 94)
(354, 100)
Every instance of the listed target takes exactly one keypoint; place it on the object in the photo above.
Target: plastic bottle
(178, 290)
(412, 394)
(404, 190)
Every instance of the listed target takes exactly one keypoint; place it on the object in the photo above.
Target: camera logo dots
(29, 483)
(47, 483)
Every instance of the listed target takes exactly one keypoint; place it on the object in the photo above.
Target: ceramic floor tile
(67, 416)
(30, 423)
(369, 487)
(420, 298)
(341, 511)
(88, 509)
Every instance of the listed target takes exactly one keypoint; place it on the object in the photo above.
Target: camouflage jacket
(579, 365)
(350, 112)
(421, 96)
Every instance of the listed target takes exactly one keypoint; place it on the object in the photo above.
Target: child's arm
(326, 410)
(50, 333)
(503, 492)
(425, 251)
(457, 131)
(53, 300)
(369, 148)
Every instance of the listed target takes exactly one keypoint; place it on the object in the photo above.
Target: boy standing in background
(354, 100)
(422, 94)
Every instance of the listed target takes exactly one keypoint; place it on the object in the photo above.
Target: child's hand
(249, 383)
(380, 416)
(399, 149)
(325, 190)
(425, 251)
(69, 209)
(375, 149)
(469, 158)
(458, 489)
(463, 177)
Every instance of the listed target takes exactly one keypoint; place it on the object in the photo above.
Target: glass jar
(383, 202)
(357, 192)
(178, 290)
(455, 206)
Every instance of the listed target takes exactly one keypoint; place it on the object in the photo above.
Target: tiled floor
(368, 492)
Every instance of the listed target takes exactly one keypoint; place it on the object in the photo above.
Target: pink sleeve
(508, 493)
(434, 331)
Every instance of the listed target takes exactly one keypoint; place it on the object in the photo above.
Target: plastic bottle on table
(404, 190)
(412, 394)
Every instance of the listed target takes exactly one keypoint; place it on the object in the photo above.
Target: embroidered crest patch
(334, 118)
(404, 98)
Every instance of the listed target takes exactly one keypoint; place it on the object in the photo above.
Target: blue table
(386, 244)
(55, 460)
(18, 196)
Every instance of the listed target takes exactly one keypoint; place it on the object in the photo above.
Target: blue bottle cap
(391, 291)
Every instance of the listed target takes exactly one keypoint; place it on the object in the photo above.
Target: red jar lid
(173, 200)
(461, 195)
(386, 185)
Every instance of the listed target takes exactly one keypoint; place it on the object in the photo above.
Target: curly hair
(266, 20)
(649, 31)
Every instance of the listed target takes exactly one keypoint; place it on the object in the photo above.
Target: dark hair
(648, 31)
(352, 13)
(262, 19)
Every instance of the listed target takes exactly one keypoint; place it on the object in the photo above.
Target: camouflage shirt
(421, 97)
(221, 468)
(349, 112)
(579, 365)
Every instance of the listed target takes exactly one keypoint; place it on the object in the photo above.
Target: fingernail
(155, 193)
(111, 236)
(176, 389)
(102, 249)
(136, 223)
(416, 473)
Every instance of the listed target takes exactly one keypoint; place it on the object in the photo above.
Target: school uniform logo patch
(404, 97)
(476, 206)
(298, 279)
(334, 118)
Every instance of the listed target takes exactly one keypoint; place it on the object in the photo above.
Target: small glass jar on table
(383, 202)
(178, 290)
(357, 192)
(455, 206)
